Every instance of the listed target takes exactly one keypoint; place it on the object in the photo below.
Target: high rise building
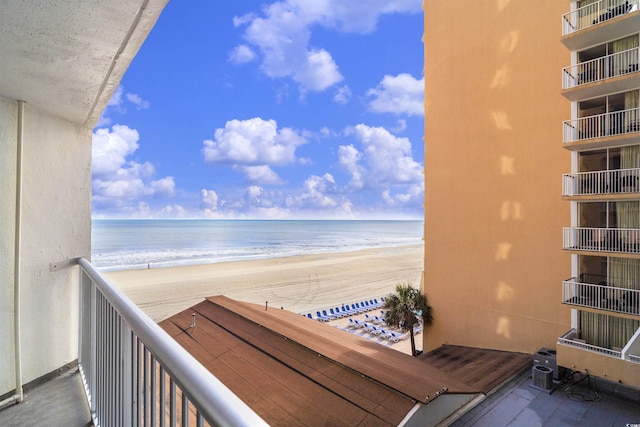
(518, 94)
(602, 84)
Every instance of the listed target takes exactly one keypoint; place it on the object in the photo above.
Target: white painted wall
(8, 118)
(56, 226)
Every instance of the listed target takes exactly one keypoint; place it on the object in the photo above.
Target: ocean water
(133, 244)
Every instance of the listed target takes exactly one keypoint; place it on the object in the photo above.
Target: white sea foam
(132, 244)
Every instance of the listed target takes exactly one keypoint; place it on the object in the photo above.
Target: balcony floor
(518, 403)
(58, 402)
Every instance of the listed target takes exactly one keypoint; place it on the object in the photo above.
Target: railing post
(92, 347)
(126, 361)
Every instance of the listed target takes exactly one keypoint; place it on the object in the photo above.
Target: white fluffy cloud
(318, 190)
(401, 94)
(282, 35)
(384, 164)
(209, 198)
(320, 197)
(259, 174)
(242, 54)
(349, 158)
(118, 181)
(136, 100)
(111, 148)
(118, 103)
(173, 211)
(163, 187)
(343, 95)
(209, 204)
(252, 146)
(253, 201)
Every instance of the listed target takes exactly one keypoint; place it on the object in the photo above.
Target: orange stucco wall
(493, 165)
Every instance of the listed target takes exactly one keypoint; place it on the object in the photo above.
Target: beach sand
(298, 283)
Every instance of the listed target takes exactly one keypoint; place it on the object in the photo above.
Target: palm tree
(405, 308)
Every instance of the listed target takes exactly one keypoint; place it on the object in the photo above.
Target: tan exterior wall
(493, 165)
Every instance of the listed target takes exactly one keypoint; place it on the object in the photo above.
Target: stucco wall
(8, 118)
(615, 370)
(56, 226)
(493, 165)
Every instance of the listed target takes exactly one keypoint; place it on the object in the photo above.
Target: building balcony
(598, 21)
(613, 128)
(614, 241)
(616, 364)
(613, 73)
(601, 297)
(133, 373)
(572, 339)
(608, 184)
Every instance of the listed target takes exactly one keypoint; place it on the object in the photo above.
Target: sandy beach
(297, 283)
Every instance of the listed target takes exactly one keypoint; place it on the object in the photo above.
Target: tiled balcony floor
(58, 402)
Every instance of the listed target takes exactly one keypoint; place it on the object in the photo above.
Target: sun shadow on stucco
(501, 4)
(501, 78)
(501, 120)
(507, 165)
(502, 251)
(510, 210)
(503, 327)
(509, 42)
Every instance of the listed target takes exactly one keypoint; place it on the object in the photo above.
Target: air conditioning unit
(542, 377)
(547, 357)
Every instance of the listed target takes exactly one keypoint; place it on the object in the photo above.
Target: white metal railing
(134, 373)
(603, 297)
(602, 68)
(621, 240)
(601, 125)
(617, 181)
(570, 339)
(633, 358)
(595, 13)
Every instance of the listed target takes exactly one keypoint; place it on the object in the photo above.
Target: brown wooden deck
(480, 369)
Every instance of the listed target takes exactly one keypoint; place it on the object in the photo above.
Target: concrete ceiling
(67, 57)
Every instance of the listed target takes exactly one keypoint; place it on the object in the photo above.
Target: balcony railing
(601, 296)
(602, 125)
(571, 339)
(618, 181)
(603, 68)
(595, 13)
(134, 373)
(618, 240)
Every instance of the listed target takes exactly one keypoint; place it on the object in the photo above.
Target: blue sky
(291, 109)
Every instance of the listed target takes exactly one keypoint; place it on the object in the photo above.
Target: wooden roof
(481, 369)
(292, 370)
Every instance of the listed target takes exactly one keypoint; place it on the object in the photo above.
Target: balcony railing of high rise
(613, 240)
(601, 297)
(134, 373)
(617, 181)
(606, 67)
(630, 352)
(602, 125)
(596, 13)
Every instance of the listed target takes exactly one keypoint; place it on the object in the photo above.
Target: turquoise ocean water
(131, 244)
